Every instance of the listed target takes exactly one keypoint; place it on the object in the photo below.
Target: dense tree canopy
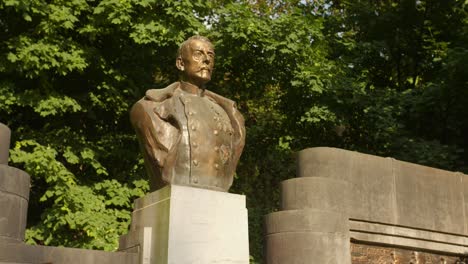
(381, 77)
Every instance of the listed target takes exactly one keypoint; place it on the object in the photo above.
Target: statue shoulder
(159, 95)
(224, 102)
(145, 107)
(219, 98)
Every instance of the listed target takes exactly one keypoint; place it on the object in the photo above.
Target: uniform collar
(191, 89)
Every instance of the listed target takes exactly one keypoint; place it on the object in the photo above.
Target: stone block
(13, 215)
(372, 188)
(384, 201)
(309, 220)
(429, 198)
(14, 196)
(314, 193)
(179, 225)
(370, 179)
(389, 191)
(307, 236)
(324, 162)
(15, 181)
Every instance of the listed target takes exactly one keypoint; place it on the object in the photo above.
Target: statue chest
(207, 141)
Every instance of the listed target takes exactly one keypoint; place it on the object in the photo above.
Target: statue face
(197, 62)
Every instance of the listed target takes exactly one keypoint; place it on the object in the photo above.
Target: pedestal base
(179, 224)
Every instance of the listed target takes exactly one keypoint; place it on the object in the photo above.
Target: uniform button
(216, 148)
(195, 179)
(195, 162)
(194, 144)
(193, 128)
(216, 166)
(190, 113)
(187, 101)
(215, 132)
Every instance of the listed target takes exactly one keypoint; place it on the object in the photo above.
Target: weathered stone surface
(5, 134)
(382, 200)
(12, 216)
(323, 162)
(314, 226)
(179, 225)
(429, 198)
(308, 220)
(391, 191)
(151, 211)
(370, 179)
(14, 195)
(314, 193)
(15, 181)
(21, 253)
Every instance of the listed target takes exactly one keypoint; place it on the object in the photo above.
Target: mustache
(205, 68)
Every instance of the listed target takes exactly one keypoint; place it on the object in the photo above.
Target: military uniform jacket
(189, 139)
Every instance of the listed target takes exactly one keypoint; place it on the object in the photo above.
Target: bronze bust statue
(189, 135)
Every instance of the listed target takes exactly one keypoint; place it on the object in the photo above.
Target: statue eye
(197, 55)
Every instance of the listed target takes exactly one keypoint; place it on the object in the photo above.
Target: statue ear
(180, 64)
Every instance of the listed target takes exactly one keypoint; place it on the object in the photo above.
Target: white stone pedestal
(178, 225)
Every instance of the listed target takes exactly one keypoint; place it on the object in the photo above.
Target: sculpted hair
(184, 45)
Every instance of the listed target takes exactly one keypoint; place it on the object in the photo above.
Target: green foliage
(69, 72)
(380, 77)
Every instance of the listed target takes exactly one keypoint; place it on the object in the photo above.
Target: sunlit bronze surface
(189, 135)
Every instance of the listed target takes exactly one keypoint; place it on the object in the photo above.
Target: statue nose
(206, 59)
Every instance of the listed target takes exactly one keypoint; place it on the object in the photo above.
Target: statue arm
(156, 136)
(238, 125)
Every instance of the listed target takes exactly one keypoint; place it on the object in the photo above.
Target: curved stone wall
(376, 200)
(14, 197)
(14, 194)
(386, 190)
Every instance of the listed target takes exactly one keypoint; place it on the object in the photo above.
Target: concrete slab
(315, 193)
(429, 198)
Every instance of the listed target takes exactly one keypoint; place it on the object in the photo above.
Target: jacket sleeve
(155, 135)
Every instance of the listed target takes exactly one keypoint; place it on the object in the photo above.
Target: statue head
(195, 59)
